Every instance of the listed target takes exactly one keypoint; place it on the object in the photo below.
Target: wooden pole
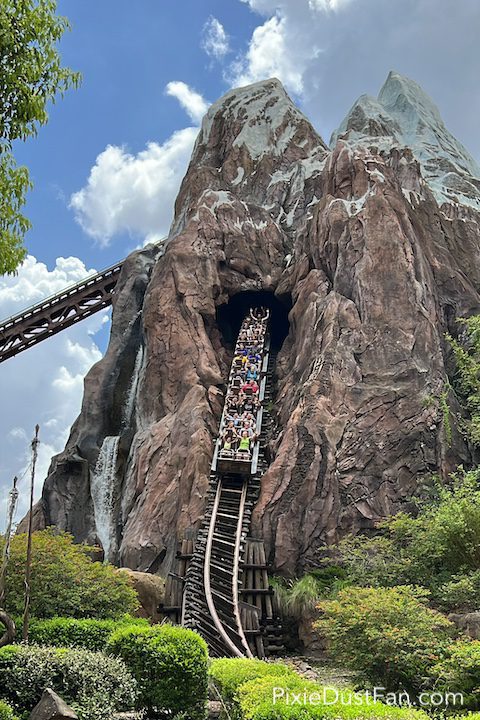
(13, 497)
(28, 567)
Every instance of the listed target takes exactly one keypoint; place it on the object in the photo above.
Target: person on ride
(248, 405)
(230, 438)
(250, 387)
(244, 444)
(249, 428)
(232, 403)
(252, 372)
(254, 356)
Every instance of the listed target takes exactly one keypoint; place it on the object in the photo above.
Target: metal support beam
(58, 312)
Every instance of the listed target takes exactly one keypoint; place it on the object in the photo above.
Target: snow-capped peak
(403, 114)
(261, 115)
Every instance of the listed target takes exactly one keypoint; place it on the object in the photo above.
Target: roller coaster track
(212, 594)
(60, 311)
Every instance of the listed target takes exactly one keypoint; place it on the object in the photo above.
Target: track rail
(224, 556)
(212, 601)
(55, 313)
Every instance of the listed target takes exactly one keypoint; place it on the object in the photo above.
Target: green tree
(31, 76)
(65, 580)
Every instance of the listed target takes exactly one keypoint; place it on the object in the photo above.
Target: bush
(170, 666)
(65, 581)
(229, 673)
(460, 672)
(386, 634)
(462, 592)
(87, 633)
(434, 549)
(94, 684)
(6, 712)
(255, 700)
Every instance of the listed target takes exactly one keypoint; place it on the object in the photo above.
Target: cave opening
(231, 314)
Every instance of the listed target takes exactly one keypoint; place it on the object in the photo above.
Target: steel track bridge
(60, 311)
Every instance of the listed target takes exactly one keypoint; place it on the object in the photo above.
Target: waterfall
(132, 390)
(102, 488)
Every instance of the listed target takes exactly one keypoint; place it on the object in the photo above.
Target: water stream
(102, 490)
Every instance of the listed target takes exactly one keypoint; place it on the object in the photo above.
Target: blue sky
(109, 163)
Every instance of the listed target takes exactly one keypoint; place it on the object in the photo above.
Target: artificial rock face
(374, 245)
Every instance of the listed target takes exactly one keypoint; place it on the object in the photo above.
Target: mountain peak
(262, 116)
(403, 114)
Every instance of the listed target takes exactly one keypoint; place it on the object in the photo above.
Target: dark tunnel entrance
(230, 315)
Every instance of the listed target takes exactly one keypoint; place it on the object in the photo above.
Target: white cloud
(215, 40)
(45, 383)
(268, 56)
(134, 193)
(191, 101)
(328, 52)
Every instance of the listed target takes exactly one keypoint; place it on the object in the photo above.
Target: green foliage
(434, 549)
(297, 598)
(170, 666)
(65, 581)
(467, 376)
(389, 635)
(229, 673)
(459, 671)
(31, 76)
(94, 684)
(256, 701)
(462, 592)
(14, 183)
(88, 633)
(6, 712)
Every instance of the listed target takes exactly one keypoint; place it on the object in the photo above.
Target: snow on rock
(404, 115)
(266, 117)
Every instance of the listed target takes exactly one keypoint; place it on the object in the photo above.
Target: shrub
(386, 634)
(65, 581)
(255, 699)
(94, 684)
(460, 672)
(169, 664)
(6, 712)
(437, 547)
(87, 633)
(229, 673)
(462, 592)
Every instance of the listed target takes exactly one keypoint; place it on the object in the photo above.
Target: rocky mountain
(366, 252)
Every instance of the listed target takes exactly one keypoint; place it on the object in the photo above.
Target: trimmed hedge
(229, 673)
(95, 685)
(88, 633)
(170, 666)
(6, 712)
(255, 702)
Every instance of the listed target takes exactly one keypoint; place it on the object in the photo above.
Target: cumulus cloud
(45, 383)
(328, 52)
(133, 193)
(215, 40)
(268, 56)
(191, 101)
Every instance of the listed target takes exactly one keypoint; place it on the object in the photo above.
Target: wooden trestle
(220, 585)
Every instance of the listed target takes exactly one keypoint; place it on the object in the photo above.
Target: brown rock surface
(374, 271)
(150, 589)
